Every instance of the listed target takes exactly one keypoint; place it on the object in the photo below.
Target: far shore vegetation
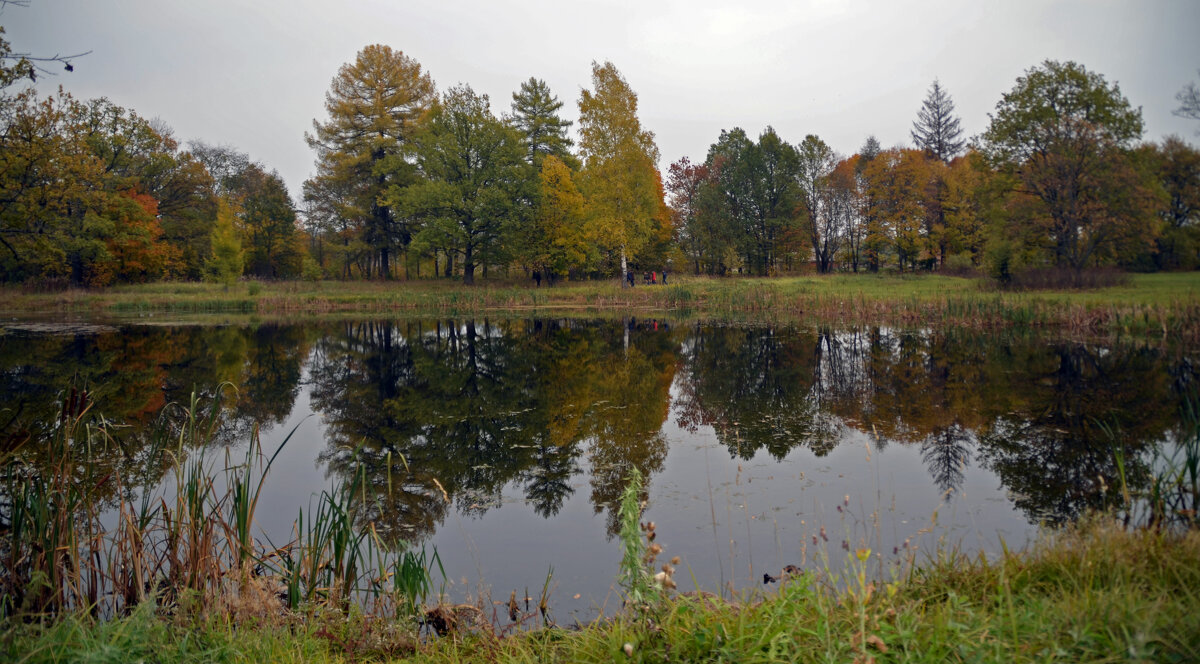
(1166, 304)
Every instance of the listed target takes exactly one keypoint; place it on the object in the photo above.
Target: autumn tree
(1065, 134)
(965, 204)
(620, 174)
(375, 105)
(474, 173)
(897, 184)
(555, 237)
(937, 130)
(684, 183)
(535, 113)
(64, 213)
(143, 156)
(45, 168)
(227, 261)
(1176, 167)
(846, 203)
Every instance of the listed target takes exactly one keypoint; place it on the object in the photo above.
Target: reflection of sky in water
(1007, 403)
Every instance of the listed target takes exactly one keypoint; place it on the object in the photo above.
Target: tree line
(411, 184)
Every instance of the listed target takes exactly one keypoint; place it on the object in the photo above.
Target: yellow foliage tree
(620, 175)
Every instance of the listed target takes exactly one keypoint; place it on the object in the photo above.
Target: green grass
(1154, 304)
(1092, 593)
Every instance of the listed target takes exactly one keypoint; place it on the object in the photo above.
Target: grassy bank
(1095, 593)
(1167, 304)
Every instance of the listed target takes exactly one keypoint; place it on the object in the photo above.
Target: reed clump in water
(78, 539)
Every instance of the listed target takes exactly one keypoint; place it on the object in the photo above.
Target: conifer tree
(535, 115)
(937, 129)
(375, 105)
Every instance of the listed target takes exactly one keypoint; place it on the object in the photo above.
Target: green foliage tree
(267, 220)
(227, 260)
(375, 106)
(474, 177)
(815, 163)
(757, 195)
(1065, 133)
(1176, 167)
(535, 115)
(335, 223)
(620, 174)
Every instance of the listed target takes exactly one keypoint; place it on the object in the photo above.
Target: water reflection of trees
(473, 406)
(1030, 411)
(478, 406)
(131, 374)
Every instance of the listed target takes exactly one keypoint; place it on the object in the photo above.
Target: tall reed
(78, 539)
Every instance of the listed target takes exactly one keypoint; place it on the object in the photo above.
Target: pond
(505, 445)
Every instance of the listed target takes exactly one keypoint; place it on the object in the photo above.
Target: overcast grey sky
(253, 74)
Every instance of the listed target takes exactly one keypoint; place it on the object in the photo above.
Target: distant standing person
(629, 278)
(537, 278)
(664, 277)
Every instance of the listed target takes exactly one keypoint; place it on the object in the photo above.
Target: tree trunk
(468, 265)
(624, 269)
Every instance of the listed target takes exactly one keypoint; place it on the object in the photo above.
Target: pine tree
(937, 129)
(535, 115)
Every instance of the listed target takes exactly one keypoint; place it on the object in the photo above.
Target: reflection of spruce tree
(460, 402)
(947, 452)
(548, 482)
(357, 375)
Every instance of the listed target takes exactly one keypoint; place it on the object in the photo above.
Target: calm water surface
(763, 446)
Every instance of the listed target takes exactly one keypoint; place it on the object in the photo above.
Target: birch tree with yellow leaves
(620, 174)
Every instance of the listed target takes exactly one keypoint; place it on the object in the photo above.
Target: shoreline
(1165, 305)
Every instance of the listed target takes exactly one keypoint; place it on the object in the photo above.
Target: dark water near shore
(758, 443)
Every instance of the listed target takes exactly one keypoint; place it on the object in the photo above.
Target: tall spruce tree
(937, 129)
(535, 115)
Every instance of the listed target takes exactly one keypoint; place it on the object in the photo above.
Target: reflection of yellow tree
(630, 404)
(475, 406)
